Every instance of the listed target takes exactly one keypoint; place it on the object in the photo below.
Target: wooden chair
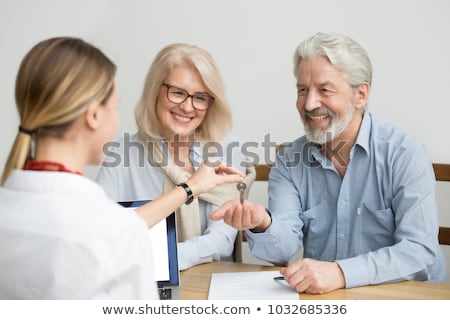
(262, 172)
(441, 171)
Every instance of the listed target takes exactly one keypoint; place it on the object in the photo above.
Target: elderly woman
(183, 119)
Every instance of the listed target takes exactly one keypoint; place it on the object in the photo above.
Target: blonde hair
(57, 80)
(217, 120)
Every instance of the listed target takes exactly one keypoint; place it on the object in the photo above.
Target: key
(241, 186)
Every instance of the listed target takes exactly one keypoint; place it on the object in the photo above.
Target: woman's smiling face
(180, 118)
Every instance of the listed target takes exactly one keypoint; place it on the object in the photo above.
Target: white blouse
(62, 238)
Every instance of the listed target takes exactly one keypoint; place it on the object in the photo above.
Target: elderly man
(355, 191)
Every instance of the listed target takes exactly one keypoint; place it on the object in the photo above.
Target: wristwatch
(188, 190)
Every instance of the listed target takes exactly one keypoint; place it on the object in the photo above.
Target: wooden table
(195, 285)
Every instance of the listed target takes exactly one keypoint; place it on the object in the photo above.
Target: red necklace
(47, 166)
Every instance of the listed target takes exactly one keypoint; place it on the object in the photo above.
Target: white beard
(337, 126)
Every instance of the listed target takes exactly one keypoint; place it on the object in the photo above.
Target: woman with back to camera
(182, 116)
(60, 236)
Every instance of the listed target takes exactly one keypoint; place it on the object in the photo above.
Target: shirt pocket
(377, 226)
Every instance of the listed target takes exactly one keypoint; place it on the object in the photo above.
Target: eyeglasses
(200, 101)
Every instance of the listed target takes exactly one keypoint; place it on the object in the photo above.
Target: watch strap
(190, 195)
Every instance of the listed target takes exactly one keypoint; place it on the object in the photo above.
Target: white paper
(158, 238)
(249, 286)
(160, 250)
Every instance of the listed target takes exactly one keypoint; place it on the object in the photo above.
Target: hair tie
(26, 131)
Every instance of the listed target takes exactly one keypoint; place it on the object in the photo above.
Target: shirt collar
(319, 156)
(364, 133)
(195, 152)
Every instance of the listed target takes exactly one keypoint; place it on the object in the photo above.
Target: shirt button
(342, 236)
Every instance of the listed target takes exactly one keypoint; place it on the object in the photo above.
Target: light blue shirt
(379, 223)
(126, 175)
